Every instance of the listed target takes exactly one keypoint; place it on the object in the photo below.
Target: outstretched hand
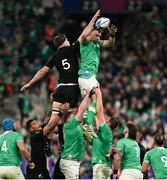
(112, 30)
(97, 14)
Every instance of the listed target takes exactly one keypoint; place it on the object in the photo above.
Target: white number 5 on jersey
(4, 146)
(164, 159)
(66, 64)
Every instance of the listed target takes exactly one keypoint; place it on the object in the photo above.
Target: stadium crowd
(132, 75)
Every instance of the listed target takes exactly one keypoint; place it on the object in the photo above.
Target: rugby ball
(102, 23)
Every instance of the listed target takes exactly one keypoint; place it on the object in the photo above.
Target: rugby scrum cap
(8, 124)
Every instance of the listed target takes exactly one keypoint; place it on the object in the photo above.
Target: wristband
(115, 171)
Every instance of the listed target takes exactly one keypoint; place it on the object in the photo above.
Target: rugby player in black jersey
(66, 62)
(38, 151)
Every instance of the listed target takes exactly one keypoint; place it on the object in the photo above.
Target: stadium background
(133, 74)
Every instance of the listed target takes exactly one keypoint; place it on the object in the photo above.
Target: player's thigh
(72, 95)
(70, 168)
(87, 84)
(58, 97)
(131, 174)
(11, 172)
(101, 171)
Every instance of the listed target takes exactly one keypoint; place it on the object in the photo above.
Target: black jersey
(66, 62)
(37, 149)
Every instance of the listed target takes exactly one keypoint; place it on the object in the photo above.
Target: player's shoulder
(152, 151)
(14, 133)
(122, 140)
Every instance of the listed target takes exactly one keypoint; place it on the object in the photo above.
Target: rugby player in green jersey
(11, 145)
(102, 144)
(74, 143)
(90, 47)
(157, 159)
(127, 155)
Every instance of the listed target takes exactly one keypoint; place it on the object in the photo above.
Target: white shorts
(100, 171)
(89, 83)
(70, 168)
(128, 174)
(11, 172)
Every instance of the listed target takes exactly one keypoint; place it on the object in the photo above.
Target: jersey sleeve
(74, 122)
(105, 133)
(19, 138)
(146, 157)
(120, 146)
(90, 114)
(76, 46)
(51, 62)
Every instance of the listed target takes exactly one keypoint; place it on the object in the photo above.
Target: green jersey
(9, 152)
(101, 145)
(90, 56)
(74, 144)
(130, 153)
(157, 158)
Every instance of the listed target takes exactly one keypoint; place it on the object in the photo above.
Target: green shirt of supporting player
(74, 144)
(90, 56)
(157, 158)
(101, 145)
(130, 154)
(9, 152)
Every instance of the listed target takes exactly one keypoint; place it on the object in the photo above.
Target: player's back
(131, 153)
(90, 56)
(158, 161)
(9, 152)
(66, 62)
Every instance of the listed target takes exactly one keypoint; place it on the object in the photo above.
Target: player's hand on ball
(31, 165)
(112, 30)
(25, 87)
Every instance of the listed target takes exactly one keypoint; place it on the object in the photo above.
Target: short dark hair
(140, 135)
(59, 40)
(159, 139)
(132, 131)
(28, 123)
(114, 122)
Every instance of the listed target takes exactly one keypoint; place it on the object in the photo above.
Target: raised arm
(99, 106)
(86, 32)
(40, 74)
(117, 163)
(83, 106)
(111, 41)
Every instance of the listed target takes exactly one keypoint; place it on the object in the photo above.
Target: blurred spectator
(132, 75)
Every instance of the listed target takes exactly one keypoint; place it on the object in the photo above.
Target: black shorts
(69, 94)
